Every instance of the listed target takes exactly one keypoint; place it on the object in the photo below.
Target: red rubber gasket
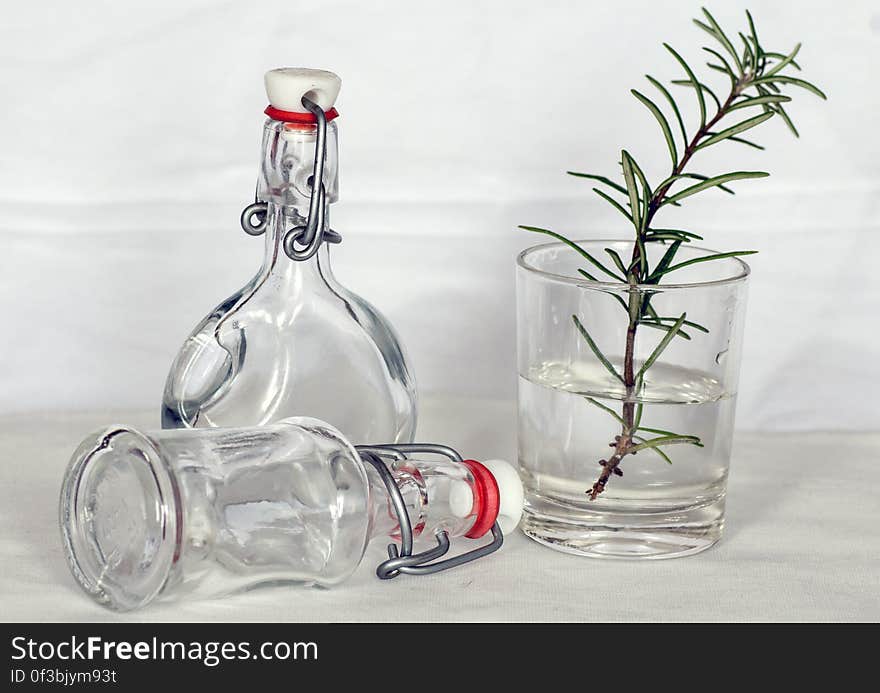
(487, 499)
(294, 117)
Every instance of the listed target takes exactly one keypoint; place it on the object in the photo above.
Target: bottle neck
(383, 517)
(287, 165)
(276, 263)
(435, 493)
(285, 184)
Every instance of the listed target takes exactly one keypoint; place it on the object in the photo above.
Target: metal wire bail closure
(301, 242)
(402, 559)
(311, 235)
(257, 211)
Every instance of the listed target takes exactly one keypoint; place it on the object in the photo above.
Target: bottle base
(623, 533)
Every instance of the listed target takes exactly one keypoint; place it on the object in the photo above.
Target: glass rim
(77, 548)
(521, 261)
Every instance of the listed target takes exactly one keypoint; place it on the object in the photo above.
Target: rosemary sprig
(756, 79)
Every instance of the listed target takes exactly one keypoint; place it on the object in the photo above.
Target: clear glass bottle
(206, 512)
(293, 341)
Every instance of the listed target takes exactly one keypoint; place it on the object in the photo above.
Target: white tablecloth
(802, 542)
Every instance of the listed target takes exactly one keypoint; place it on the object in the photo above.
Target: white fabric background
(129, 137)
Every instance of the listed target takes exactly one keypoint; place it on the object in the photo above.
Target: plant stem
(624, 443)
(690, 150)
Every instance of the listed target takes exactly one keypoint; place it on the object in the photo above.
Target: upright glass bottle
(293, 341)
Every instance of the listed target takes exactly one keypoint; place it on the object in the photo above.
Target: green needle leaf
(574, 246)
(752, 57)
(696, 84)
(702, 88)
(758, 101)
(655, 449)
(719, 34)
(616, 258)
(783, 56)
(693, 176)
(727, 69)
(664, 124)
(613, 295)
(657, 237)
(785, 118)
(665, 328)
(688, 323)
(679, 232)
(601, 179)
(705, 27)
(632, 190)
(759, 52)
(716, 180)
(700, 176)
(601, 406)
(647, 308)
(619, 300)
(595, 349)
(619, 207)
(786, 60)
(642, 259)
(746, 142)
(704, 258)
(660, 347)
(666, 260)
(747, 124)
(663, 90)
(665, 440)
(661, 432)
(795, 81)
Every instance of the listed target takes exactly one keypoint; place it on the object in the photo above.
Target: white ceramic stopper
(285, 87)
(510, 491)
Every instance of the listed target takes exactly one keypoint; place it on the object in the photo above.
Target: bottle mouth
(119, 518)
